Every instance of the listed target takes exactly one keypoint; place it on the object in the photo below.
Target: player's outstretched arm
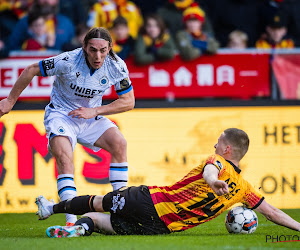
(22, 82)
(124, 103)
(277, 216)
(210, 175)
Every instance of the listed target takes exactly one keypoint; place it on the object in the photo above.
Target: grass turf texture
(24, 231)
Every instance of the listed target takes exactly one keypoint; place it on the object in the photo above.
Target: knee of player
(64, 163)
(97, 203)
(119, 146)
(59, 153)
(62, 158)
(123, 144)
(91, 215)
(94, 216)
(271, 214)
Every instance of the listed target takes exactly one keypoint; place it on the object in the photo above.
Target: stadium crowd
(151, 30)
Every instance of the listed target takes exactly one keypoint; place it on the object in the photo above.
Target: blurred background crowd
(151, 30)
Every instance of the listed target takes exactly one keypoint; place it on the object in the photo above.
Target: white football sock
(67, 190)
(118, 175)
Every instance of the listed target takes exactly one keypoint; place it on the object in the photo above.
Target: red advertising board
(11, 68)
(287, 71)
(222, 75)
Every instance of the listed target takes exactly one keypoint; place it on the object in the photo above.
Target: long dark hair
(99, 32)
(160, 23)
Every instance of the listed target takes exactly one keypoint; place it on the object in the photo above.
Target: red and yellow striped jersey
(284, 44)
(103, 14)
(191, 201)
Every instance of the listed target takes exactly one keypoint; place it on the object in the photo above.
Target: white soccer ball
(241, 220)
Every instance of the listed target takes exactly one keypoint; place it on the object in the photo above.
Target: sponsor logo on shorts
(117, 202)
(219, 164)
(61, 130)
(104, 80)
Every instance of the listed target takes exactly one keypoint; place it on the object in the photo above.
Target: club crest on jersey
(104, 80)
(61, 130)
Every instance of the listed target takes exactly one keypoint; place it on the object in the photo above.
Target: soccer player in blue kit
(75, 113)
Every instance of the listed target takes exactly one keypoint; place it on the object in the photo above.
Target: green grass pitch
(24, 231)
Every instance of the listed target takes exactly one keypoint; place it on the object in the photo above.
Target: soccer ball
(241, 220)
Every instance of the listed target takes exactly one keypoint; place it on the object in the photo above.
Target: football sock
(118, 175)
(87, 224)
(78, 205)
(67, 190)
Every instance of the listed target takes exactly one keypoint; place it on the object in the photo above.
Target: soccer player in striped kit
(75, 112)
(200, 196)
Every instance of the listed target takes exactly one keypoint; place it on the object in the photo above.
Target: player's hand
(220, 187)
(5, 106)
(85, 113)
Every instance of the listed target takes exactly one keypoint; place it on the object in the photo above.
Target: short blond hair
(240, 35)
(239, 141)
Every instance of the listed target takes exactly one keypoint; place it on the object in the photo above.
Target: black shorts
(132, 212)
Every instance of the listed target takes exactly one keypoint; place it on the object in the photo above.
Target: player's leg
(90, 222)
(62, 151)
(103, 133)
(114, 142)
(96, 222)
(61, 134)
(78, 205)
(85, 226)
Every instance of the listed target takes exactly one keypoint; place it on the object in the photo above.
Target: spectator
(154, 43)
(3, 49)
(77, 41)
(40, 39)
(18, 7)
(9, 15)
(237, 40)
(230, 15)
(172, 11)
(104, 12)
(58, 24)
(123, 43)
(275, 36)
(193, 42)
(267, 10)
